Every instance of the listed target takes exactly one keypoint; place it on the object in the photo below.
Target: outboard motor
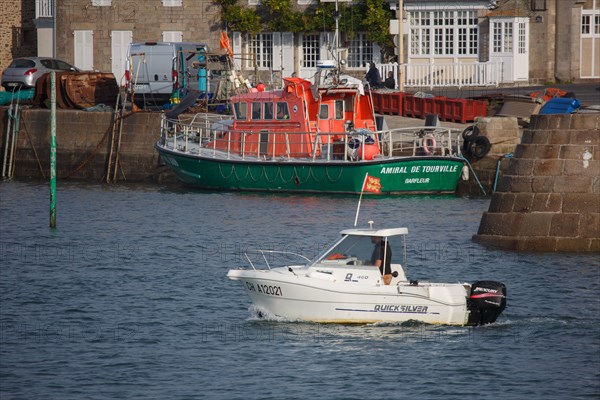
(486, 302)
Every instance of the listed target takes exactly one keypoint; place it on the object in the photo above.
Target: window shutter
(120, 41)
(172, 3)
(237, 46)
(277, 51)
(172, 36)
(84, 50)
(287, 47)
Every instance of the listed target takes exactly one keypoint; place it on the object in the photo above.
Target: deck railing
(446, 75)
(266, 254)
(44, 8)
(201, 133)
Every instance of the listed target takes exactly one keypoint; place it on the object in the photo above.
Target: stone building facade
(17, 31)
(562, 47)
(564, 35)
(107, 27)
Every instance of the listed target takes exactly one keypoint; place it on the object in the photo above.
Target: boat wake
(260, 314)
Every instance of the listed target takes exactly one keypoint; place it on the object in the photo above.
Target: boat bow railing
(264, 253)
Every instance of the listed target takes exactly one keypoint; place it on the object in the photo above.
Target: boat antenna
(336, 40)
(334, 48)
(362, 189)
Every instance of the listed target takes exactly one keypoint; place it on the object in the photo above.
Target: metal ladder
(10, 140)
(115, 140)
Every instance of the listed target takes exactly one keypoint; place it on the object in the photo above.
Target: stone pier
(549, 198)
(83, 145)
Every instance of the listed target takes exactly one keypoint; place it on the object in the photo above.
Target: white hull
(299, 296)
(357, 280)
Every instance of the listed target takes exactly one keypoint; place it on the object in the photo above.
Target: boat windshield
(361, 250)
(240, 110)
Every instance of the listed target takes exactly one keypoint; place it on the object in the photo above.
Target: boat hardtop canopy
(375, 232)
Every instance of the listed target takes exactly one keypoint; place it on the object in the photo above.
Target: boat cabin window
(339, 109)
(324, 111)
(349, 103)
(256, 110)
(360, 250)
(268, 114)
(282, 111)
(240, 110)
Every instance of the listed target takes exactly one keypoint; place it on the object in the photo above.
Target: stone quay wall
(504, 135)
(549, 198)
(83, 145)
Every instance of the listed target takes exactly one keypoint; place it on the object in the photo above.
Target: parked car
(24, 72)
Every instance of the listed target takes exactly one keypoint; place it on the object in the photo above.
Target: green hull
(399, 175)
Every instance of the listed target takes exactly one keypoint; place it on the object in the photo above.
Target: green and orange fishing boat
(309, 138)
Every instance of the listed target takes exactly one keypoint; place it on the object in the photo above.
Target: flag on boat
(372, 184)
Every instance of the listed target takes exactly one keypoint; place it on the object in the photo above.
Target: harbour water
(128, 298)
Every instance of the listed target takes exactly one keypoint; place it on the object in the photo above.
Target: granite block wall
(549, 198)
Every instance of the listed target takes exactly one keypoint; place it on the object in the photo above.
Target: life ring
(428, 144)
(478, 146)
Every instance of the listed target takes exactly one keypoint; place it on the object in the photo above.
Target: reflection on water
(128, 298)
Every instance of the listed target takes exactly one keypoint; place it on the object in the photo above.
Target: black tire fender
(478, 146)
(470, 132)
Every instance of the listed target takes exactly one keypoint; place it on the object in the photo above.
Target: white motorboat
(343, 285)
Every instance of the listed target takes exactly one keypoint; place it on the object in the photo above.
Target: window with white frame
(497, 38)
(310, 50)
(586, 24)
(473, 41)
(503, 37)
(451, 32)
(360, 51)
(462, 41)
(508, 37)
(522, 39)
(260, 48)
(101, 3)
(443, 35)
(590, 23)
(172, 3)
(420, 23)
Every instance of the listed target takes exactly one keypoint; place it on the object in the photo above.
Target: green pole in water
(53, 149)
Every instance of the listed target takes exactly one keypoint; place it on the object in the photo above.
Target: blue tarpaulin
(560, 105)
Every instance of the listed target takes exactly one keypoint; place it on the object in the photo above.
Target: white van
(156, 70)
